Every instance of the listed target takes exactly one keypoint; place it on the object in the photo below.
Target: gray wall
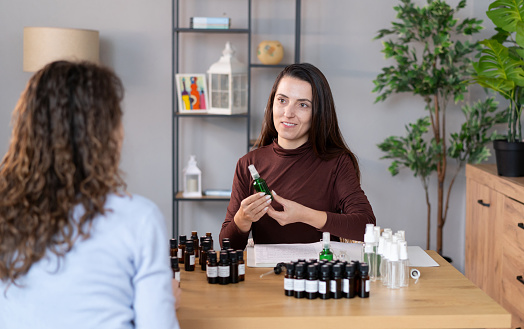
(336, 37)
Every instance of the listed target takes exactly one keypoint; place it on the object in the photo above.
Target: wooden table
(442, 298)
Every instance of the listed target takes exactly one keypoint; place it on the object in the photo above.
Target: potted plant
(501, 68)
(432, 62)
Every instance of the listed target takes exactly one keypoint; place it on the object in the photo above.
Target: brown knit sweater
(299, 175)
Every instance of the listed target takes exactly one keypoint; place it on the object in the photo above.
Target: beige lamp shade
(43, 45)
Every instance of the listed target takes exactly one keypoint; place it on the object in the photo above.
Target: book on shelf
(210, 22)
(214, 192)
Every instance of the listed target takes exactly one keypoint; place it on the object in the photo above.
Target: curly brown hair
(64, 151)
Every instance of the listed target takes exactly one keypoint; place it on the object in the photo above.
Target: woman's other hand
(251, 210)
(296, 213)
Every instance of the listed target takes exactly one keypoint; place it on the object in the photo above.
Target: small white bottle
(394, 267)
(192, 179)
(369, 251)
(385, 259)
(380, 256)
(404, 264)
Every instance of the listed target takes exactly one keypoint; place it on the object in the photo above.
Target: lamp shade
(43, 45)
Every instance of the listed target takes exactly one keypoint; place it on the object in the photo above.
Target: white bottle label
(345, 286)
(333, 286)
(289, 284)
(191, 259)
(179, 253)
(241, 269)
(177, 276)
(312, 286)
(212, 271)
(368, 285)
(322, 287)
(300, 285)
(223, 271)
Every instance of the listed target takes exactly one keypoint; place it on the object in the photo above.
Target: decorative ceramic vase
(270, 52)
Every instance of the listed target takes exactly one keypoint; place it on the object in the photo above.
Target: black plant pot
(510, 158)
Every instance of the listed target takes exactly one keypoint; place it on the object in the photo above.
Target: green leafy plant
(432, 62)
(501, 64)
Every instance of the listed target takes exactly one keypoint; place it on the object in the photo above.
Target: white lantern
(192, 179)
(227, 84)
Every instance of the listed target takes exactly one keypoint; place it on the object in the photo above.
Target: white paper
(268, 255)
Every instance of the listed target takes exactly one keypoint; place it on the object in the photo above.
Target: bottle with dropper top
(259, 183)
(326, 252)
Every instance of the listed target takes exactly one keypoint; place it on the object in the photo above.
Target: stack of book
(210, 23)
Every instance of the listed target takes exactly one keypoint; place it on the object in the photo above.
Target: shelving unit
(177, 116)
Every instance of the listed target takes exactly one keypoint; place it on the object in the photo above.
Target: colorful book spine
(210, 23)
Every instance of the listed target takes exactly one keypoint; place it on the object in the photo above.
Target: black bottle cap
(173, 243)
(182, 239)
(311, 270)
(224, 255)
(301, 261)
(240, 254)
(206, 245)
(233, 255)
(350, 268)
(189, 245)
(174, 262)
(290, 268)
(202, 238)
(300, 269)
(211, 256)
(325, 269)
(337, 270)
(364, 268)
(226, 244)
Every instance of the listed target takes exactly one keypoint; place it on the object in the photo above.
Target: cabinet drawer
(513, 258)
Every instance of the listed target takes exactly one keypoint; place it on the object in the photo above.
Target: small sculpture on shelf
(192, 179)
(270, 52)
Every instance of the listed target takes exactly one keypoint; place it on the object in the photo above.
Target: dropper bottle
(259, 183)
(326, 252)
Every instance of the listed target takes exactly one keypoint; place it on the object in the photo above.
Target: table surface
(442, 298)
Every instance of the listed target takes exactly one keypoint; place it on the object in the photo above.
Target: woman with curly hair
(76, 250)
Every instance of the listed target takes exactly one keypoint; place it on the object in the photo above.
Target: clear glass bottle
(189, 256)
(380, 254)
(326, 252)
(259, 183)
(369, 251)
(289, 280)
(181, 248)
(394, 267)
(312, 282)
(404, 264)
(212, 267)
(384, 267)
(241, 265)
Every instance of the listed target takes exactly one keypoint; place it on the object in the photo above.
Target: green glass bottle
(326, 252)
(258, 182)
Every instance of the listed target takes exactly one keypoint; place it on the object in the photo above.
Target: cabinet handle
(521, 225)
(520, 279)
(484, 204)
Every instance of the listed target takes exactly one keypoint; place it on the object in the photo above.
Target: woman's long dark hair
(64, 151)
(324, 134)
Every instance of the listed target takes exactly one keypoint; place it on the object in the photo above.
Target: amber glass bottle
(194, 237)
(173, 248)
(364, 280)
(176, 269)
(336, 282)
(312, 282)
(212, 267)
(223, 268)
(203, 254)
(189, 256)
(208, 234)
(289, 280)
(181, 248)
(233, 266)
(241, 265)
(300, 280)
(324, 282)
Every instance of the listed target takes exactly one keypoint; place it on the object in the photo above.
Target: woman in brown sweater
(313, 175)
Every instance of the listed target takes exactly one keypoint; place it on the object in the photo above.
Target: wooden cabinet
(495, 237)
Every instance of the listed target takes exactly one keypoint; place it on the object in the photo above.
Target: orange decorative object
(270, 52)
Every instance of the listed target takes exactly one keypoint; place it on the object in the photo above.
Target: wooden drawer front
(483, 253)
(513, 259)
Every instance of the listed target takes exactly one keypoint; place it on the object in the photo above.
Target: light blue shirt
(119, 277)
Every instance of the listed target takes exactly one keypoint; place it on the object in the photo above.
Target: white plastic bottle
(369, 251)
(404, 264)
(394, 267)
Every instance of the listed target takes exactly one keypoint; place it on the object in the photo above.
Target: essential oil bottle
(194, 237)
(312, 282)
(300, 280)
(233, 266)
(349, 282)
(336, 282)
(203, 254)
(181, 248)
(189, 256)
(173, 248)
(364, 280)
(212, 267)
(176, 269)
(326, 252)
(259, 183)
(289, 280)
(223, 268)
(202, 238)
(324, 280)
(208, 234)
(241, 265)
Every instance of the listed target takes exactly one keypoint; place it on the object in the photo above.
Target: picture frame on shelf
(192, 92)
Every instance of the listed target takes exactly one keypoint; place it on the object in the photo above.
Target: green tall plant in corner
(432, 62)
